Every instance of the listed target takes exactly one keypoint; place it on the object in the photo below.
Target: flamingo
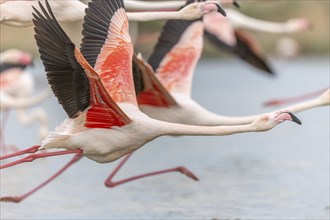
(166, 94)
(228, 34)
(95, 87)
(16, 92)
(19, 13)
(164, 83)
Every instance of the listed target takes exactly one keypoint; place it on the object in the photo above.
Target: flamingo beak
(294, 118)
(221, 10)
(235, 3)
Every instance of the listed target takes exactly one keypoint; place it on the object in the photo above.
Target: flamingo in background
(19, 13)
(16, 90)
(95, 88)
(227, 34)
(166, 95)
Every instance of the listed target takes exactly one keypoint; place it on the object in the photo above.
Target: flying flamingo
(16, 88)
(19, 13)
(95, 88)
(166, 95)
(227, 33)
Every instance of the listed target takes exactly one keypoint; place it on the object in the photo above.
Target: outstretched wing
(248, 49)
(66, 77)
(176, 54)
(72, 79)
(148, 89)
(107, 47)
(170, 36)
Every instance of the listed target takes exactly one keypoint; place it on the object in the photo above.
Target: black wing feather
(66, 77)
(246, 53)
(137, 77)
(242, 50)
(169, 37)
(96, 25)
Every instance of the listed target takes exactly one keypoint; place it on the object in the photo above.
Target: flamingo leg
(276, 102)
(18, 199)
(33, 157)
(30, 150)
(110, 183)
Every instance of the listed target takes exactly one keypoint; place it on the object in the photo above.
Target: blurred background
(281, 174)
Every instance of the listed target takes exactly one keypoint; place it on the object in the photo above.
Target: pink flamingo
(227, 34)
(166, 95)
(17, 86)
(95, 88)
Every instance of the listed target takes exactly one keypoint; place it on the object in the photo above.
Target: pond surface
(281, 174)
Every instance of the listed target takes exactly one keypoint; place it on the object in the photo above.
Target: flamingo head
(14, 56)
(299, 24)
(211, 6)
(268, 121)
(198, 9)
(281, 116)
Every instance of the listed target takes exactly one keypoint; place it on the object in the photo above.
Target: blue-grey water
(280, 174)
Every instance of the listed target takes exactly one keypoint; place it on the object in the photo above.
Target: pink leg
(109, 183)
(30, 150)
(32, 157)
(18, 199)
(276, 102)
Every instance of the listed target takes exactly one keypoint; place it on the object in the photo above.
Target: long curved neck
(38, 114)
(150, 16)
(25, 102)
(214, 119)
(240, 20)
(154, 5)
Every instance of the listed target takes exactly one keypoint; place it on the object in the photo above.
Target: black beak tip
(221, 10)
(295, 119)
(235, 3)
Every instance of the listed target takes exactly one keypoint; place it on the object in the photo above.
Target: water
(281, 174)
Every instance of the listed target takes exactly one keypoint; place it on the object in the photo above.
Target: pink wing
(108, 48)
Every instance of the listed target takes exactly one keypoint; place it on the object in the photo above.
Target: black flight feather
(96, 25)
(242, 50)
(169, 37)
(66, 77)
